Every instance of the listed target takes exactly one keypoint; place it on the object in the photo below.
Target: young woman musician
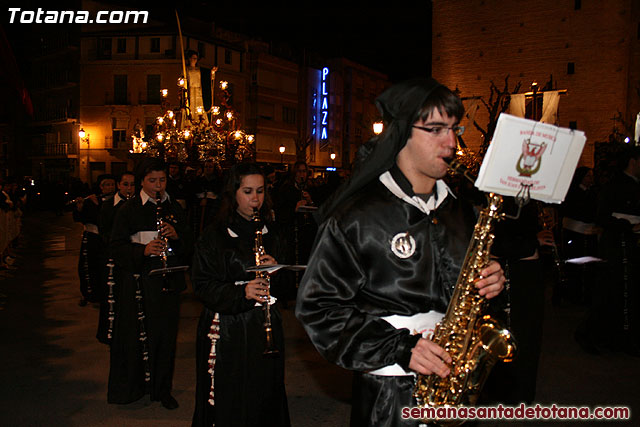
(237, 383)
(150, 232)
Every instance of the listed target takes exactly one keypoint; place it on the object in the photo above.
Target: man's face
(193, 60)
(422, 158)
(127, 186)
(154, 182)
(174, 170)
(108, 186)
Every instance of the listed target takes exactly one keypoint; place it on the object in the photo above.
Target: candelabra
(184, 134)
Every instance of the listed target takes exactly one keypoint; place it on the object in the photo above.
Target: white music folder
(532, 155)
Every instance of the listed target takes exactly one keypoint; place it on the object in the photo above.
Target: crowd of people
(383, 251)
(139, 236)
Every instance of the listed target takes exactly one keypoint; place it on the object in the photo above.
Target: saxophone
(474, 341)
(258, 250)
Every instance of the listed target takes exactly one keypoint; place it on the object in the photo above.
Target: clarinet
(258, 250)
(163, 254)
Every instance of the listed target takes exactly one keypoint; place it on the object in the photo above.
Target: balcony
(55, 150)
(54, 114)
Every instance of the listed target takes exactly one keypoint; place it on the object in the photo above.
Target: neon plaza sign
(324, 104)
(320, 107)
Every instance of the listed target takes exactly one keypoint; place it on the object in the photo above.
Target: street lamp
(84, 137)
(282, 148)
(333, 159)
(377, 128)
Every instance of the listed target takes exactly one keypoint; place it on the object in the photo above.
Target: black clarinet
(258, 250)
(163, 255)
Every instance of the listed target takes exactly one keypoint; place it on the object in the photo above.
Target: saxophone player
(237, 384)
(388, 253)
(146, 327)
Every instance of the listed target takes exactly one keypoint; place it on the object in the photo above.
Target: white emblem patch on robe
(403, 245)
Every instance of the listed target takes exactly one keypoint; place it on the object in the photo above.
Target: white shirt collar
(145, 198)
(116, 199)
(442, 190)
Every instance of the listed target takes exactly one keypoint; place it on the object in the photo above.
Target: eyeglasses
(441, 130)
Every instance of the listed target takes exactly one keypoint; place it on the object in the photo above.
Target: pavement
(53, 371)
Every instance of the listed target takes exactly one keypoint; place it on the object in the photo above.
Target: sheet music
(526, 152)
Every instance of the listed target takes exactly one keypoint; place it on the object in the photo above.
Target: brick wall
(478, 41)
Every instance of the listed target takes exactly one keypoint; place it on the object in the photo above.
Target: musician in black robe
(92, 255)
(388, 254)
(126, 188)
(518, 245)
(144, 338)
(614, 320)
(248, 386)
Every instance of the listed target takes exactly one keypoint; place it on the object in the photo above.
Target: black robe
(92, 254)
(161, 309)
(520, 308)
(249, 387)
(616, 314)
(353, 279)
(105, 224)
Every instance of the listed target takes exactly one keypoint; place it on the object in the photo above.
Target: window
(155, 44)
(122, 46)
(289, 115)
(104, 48)
(265, 111)
(227, 56)
(120, 89)
(153, 89)
(120, 138)
(571, 68)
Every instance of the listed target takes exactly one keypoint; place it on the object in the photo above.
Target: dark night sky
(397, 42)
(394, 41)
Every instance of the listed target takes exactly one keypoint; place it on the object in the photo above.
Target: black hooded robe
(161, 309)
(354, 278)
(249, 387)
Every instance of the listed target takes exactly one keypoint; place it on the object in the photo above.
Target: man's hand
(154, 247)
(491, 280)
(257, 290)
(429, 358)
(168, 231)
(267, 259)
